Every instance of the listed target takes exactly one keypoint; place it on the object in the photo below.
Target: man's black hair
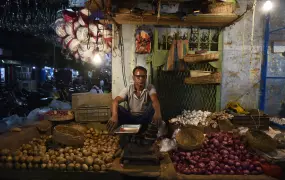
(139, 68)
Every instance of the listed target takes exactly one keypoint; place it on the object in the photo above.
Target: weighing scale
(139, 148)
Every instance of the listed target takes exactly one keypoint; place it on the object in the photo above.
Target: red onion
(201, 165)
(227, 168)
(245, 172)
(259, 169)
(232, 157)
(251, 167)
(230, 162)
(245, 165)
(237, 164)
(262, 160)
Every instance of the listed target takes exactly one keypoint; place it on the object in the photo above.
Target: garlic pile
(191, 118)
(96, 154)
(217, 116)
(280, 121)
(203, 118)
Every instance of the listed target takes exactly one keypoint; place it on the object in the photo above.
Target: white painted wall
(242, 62)
(131, 59)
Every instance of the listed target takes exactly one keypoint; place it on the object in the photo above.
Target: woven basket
(261, 141)
(189, 139)
(198, 58)
(79, 127)
(68, 136)
(221, 8)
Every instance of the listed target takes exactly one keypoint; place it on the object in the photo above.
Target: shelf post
(264, 63)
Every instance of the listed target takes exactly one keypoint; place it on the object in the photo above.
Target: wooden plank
(136, 170)
(204, 20)
(167, 169)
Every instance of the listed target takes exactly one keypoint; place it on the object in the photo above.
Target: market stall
(198, 145)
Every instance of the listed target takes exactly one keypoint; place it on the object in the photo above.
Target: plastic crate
(92, 113)
(281, 127)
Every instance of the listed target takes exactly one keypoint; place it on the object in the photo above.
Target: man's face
(140, 78)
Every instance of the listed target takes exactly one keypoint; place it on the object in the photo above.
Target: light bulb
(97, 59)
(267, 6)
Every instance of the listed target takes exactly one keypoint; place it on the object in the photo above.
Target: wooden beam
(201, 20)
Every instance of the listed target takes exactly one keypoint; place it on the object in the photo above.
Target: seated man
(142, 100)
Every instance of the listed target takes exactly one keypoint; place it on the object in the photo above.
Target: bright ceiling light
(267, 6)
(97, 60)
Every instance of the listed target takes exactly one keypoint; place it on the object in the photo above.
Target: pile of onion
(221, 153)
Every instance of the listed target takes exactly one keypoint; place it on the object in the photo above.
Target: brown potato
(70, 167)
(96, 167)
(85, 167)
(77, 167)
(62, 167)
(56, 166)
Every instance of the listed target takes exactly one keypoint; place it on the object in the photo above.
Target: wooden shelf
(199, 58)
(214, 78)
(202, 20)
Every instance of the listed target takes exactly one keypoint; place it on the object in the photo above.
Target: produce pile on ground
(221, 153)
(204, 118)
(96, 154)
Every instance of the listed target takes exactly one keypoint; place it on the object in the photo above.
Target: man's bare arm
(156, 107)
(115, 105)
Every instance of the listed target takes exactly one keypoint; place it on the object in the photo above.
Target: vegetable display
(221, 153)
(203, 118)
(96, 154)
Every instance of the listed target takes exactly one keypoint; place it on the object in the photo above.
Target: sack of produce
(83, 17)
(71, 43)
(71, 28)
(261, 141)
(82, 34)
(59, 28)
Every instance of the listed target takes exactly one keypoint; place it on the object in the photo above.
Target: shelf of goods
(201, 58)
(251, 121)
(202, 20)
(214, 78)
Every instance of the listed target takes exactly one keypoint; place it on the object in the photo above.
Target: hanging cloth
(177, 51)
(159, 57)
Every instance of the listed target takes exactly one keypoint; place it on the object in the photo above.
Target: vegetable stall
(197, 145)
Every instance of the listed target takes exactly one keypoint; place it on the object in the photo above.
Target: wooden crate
(251, 121)
(90, 99)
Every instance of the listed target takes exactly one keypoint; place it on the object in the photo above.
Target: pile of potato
(96, 154)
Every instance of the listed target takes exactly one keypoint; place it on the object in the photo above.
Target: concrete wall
(131, 59)
(241, 60)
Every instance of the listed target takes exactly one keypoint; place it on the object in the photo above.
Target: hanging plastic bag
(162, 130)
(167, 145)
(33, 115)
